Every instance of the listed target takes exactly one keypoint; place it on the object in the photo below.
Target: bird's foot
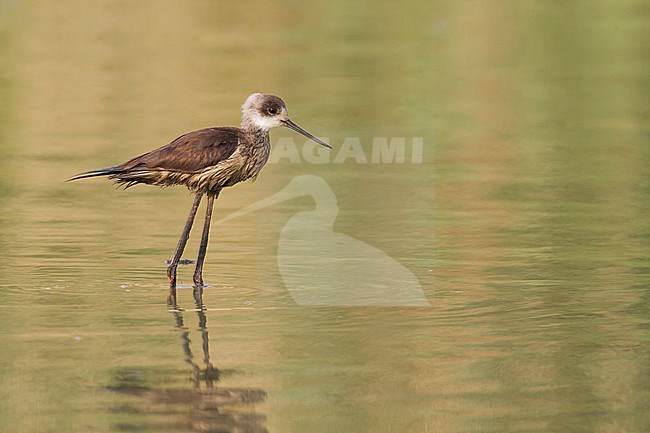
(171, 279)
(171, 276)
(198, 279)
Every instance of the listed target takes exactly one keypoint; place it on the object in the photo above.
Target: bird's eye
(272, 111)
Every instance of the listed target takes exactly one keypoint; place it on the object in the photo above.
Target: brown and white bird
(205, 161)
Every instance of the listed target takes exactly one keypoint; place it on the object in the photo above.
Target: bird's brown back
(191, 152)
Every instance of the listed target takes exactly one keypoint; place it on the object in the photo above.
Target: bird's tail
(108, 171)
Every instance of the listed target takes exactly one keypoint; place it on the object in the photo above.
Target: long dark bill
(289, 124)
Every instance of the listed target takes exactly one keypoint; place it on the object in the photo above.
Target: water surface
(526, 222)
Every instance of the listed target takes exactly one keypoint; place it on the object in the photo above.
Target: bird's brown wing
(190, 152)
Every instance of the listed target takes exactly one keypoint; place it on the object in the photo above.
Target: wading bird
(206, 161)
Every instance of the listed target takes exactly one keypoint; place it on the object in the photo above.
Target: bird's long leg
(198, 272)
(182, 241)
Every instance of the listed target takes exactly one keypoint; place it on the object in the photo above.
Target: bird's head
(263, 111)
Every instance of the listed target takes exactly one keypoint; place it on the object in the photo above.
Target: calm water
(525, 223)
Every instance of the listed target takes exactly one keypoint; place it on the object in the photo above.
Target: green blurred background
(526, 222)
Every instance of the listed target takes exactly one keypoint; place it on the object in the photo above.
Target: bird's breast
(255, 157)
(245, 163)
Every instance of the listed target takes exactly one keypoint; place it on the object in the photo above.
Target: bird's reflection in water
(203, 407)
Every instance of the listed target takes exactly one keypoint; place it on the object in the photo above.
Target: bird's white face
(264, 111)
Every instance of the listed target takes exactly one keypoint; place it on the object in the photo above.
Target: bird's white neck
(255, 122)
